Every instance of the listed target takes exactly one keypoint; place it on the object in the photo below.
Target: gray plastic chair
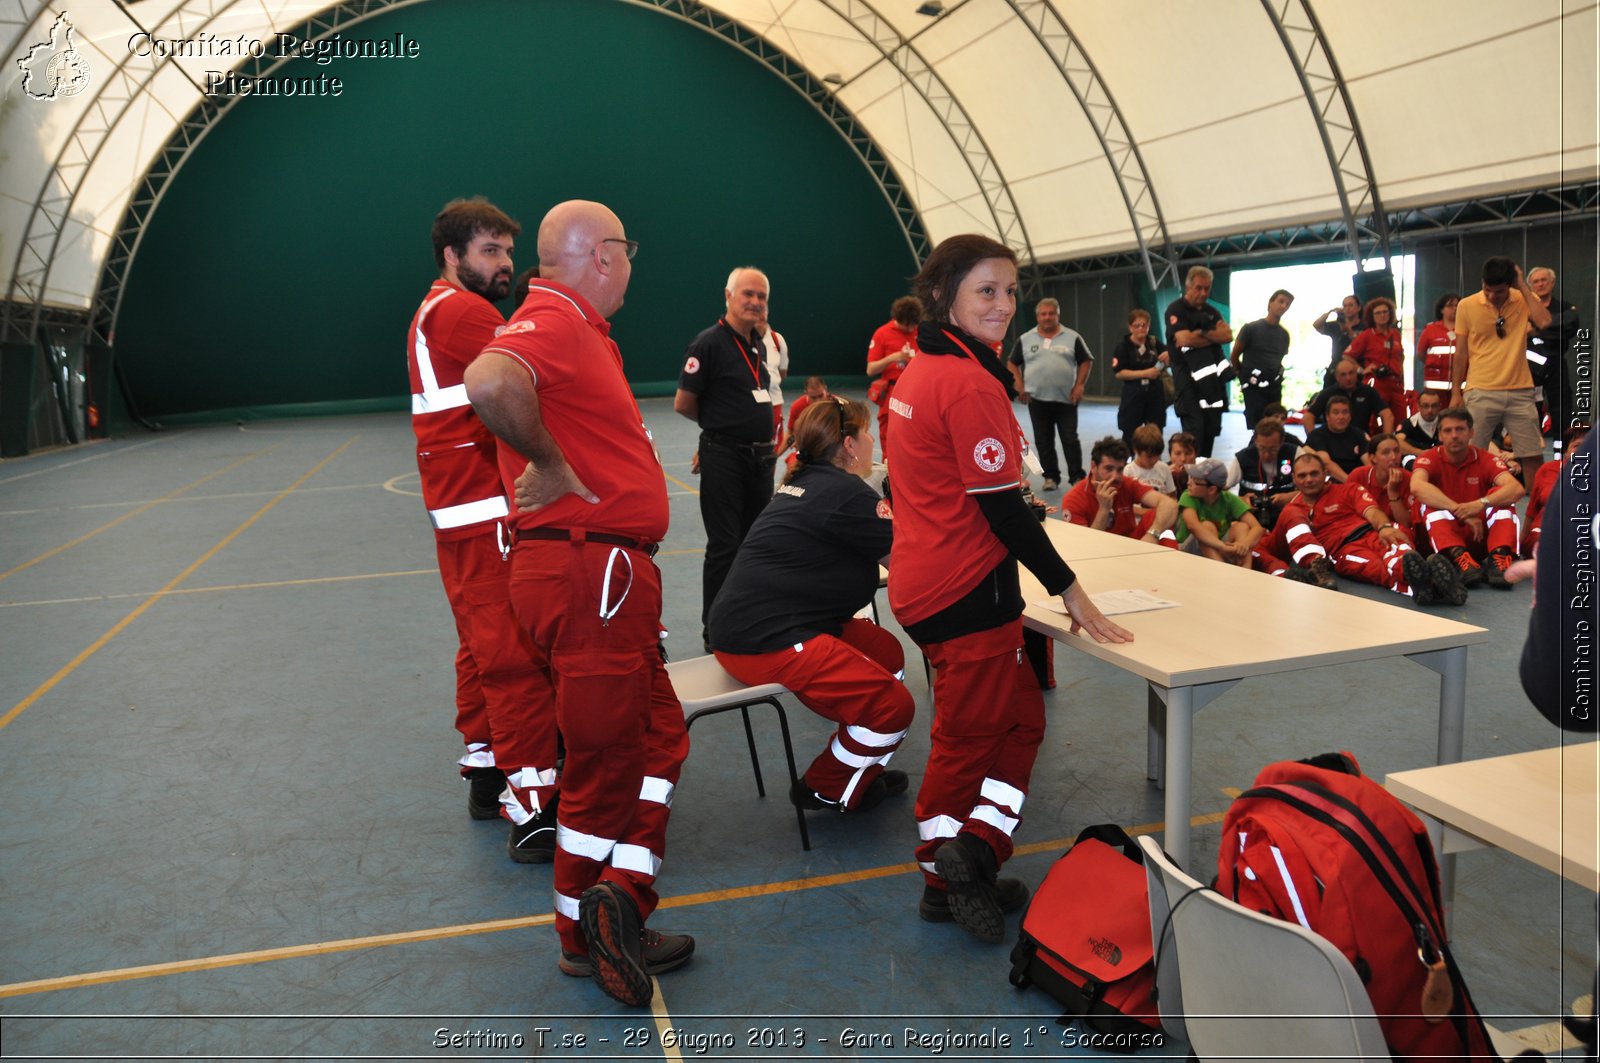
(1239, 984)
(704, 688)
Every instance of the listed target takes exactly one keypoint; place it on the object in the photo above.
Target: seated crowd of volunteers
(1306, 512)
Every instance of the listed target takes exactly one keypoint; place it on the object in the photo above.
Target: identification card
(761, 396)
(1030, 461)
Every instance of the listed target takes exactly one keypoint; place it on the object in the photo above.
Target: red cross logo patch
(692, 366)
(989, 454)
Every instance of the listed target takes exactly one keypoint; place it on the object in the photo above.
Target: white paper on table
(1112, 603)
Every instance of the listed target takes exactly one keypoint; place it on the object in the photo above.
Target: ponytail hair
(821, 428)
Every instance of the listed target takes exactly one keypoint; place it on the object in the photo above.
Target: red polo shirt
(1467, 482)
(588, 408)
(954, 437)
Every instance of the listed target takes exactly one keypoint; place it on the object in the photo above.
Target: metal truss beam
(908, 61)
(1507, 210)
(116, 94)
(1337, 125)
(339, 17)
(1105, 118)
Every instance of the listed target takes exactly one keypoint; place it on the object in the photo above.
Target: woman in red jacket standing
(1382, 358)
(961, 526)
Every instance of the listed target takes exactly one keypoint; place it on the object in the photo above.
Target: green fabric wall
(285, 262)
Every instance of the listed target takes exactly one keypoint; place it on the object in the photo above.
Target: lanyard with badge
(1030, 460)
(758, 393)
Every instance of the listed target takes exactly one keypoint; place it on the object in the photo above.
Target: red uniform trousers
(500, 708)
(1392, 393)
(1500, 530)
(616, 709)
(854, 680)
(988, 723)
(1366, 558)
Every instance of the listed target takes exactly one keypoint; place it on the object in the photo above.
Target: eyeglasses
(629, 247)
(1499, 325)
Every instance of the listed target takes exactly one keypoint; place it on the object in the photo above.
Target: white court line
(305, 581)
(80, 461)
(185, 498)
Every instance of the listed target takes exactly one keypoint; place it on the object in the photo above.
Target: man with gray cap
(1218, 524)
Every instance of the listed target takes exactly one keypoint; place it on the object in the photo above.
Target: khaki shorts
(1516, 410)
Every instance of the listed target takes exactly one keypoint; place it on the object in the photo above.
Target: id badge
(761, 396)
(1030, 461)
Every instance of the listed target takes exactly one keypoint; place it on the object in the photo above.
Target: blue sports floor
(232, 827)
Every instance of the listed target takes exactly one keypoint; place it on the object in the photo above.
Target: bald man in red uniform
(591, 506)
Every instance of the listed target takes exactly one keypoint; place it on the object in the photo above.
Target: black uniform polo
(809, 562)
(724, 370)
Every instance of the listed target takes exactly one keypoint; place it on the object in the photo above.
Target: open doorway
(1316, 289)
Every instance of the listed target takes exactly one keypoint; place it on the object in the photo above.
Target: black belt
(1359, 533)
(737, 444)
(581, 535)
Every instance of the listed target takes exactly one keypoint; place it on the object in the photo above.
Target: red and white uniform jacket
(456, 455)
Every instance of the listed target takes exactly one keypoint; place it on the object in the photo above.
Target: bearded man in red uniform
(1468, 501)
(590, 509)
(457, 462)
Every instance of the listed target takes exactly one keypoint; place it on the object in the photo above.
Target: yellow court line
(240, 959)
(231, 587)
(687, 487)
(116, 629)
(658, 1009)
(48, 554)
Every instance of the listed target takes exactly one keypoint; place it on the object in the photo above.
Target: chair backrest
(1249, 984)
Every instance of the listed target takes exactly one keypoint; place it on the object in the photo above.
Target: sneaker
(611, 926)
(534, 842)
(1051, 485)
(1321, 570)
(887, 784)
(967, 865)
(1494, 569)
(1471, 571)
(1296, 574)
(658, 950)
(1448, 587)
(1009, 893)
(483, 792)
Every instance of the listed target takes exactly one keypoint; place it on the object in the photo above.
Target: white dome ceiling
(1193, 120)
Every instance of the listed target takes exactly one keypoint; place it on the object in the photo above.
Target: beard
(492, 288)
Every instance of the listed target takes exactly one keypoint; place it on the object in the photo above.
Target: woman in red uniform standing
(961, 527)
(1381, 356)
(1436, 347)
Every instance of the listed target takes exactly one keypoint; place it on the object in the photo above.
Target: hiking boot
(611, 926)
(1418, 578)
(1448, 586)
(1471, 571)
(658, 951)
(967, 865)
(483, 792)
(1494, 569)
(534, 842)
(887, 784)
(1009, 893)
(1321, 570)
(1296, 574)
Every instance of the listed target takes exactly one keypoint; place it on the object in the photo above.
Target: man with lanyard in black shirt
(1195, 336)
(725, 389)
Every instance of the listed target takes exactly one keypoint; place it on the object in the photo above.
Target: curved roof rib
(900, 53)
(1121, 150)
(1335, 116)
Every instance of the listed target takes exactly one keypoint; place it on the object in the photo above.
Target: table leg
(1155, 737)
(1180, 754)
(1451, 664)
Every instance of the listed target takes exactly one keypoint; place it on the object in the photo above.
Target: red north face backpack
(1085, 937)
(1317, 843)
